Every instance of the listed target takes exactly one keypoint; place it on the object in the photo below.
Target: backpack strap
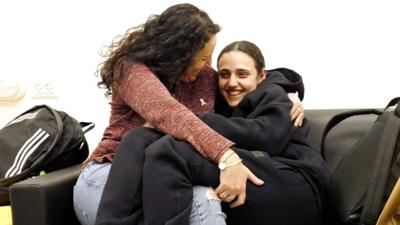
(393, 102)
(385, 153)
(397, 108)
(339, 118)
(87, 126)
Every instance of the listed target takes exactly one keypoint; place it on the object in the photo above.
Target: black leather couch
(47, 200)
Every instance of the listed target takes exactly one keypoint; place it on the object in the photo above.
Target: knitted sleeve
(146, 95)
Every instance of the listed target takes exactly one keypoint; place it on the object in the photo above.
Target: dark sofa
(47, 200)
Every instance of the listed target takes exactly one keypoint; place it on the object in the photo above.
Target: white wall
(346, 50)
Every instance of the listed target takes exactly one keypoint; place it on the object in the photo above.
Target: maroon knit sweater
(142, 97)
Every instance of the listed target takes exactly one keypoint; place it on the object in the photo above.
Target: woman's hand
(297, 110)
(232, 187)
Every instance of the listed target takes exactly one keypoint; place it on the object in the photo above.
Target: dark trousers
(172, 167)
(121, 201)
(168, 169)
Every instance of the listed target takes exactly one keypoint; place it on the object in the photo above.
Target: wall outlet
(11, 91)
(44, 90)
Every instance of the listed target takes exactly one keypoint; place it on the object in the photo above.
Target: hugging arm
(168, 115)
(297, 110)
(265, 128)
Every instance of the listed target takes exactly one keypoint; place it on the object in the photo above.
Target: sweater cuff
(222, 150)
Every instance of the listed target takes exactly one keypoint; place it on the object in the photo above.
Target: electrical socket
(44, 90)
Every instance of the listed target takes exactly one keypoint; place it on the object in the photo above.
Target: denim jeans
(206, 209)
(88, 190)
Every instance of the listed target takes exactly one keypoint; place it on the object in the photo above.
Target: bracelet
(223, 166)
(226, 158)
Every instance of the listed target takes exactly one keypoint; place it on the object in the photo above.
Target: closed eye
(224, 74)
(243, 73)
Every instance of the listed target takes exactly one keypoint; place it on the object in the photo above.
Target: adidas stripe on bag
(40, 139)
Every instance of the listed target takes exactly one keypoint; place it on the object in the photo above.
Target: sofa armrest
(45, 200)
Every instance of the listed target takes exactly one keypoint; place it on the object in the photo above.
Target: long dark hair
(250, 49)
(166, 44)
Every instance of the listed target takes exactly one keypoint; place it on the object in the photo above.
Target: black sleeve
(265, 127)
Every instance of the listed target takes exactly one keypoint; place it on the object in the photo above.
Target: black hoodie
(261, 121)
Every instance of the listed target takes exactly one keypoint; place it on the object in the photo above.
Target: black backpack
(364, 177)
(40, 139)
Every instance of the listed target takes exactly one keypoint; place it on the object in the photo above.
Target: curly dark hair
(166, 44)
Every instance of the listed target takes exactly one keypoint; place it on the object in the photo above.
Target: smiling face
(237, 76)
(200, 59)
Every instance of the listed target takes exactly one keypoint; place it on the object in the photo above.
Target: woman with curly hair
(158, 74)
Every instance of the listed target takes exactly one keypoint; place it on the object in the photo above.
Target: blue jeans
(206, 210)
(88, 190)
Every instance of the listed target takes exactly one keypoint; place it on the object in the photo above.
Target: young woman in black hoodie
(255, 114)
(260, 123)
